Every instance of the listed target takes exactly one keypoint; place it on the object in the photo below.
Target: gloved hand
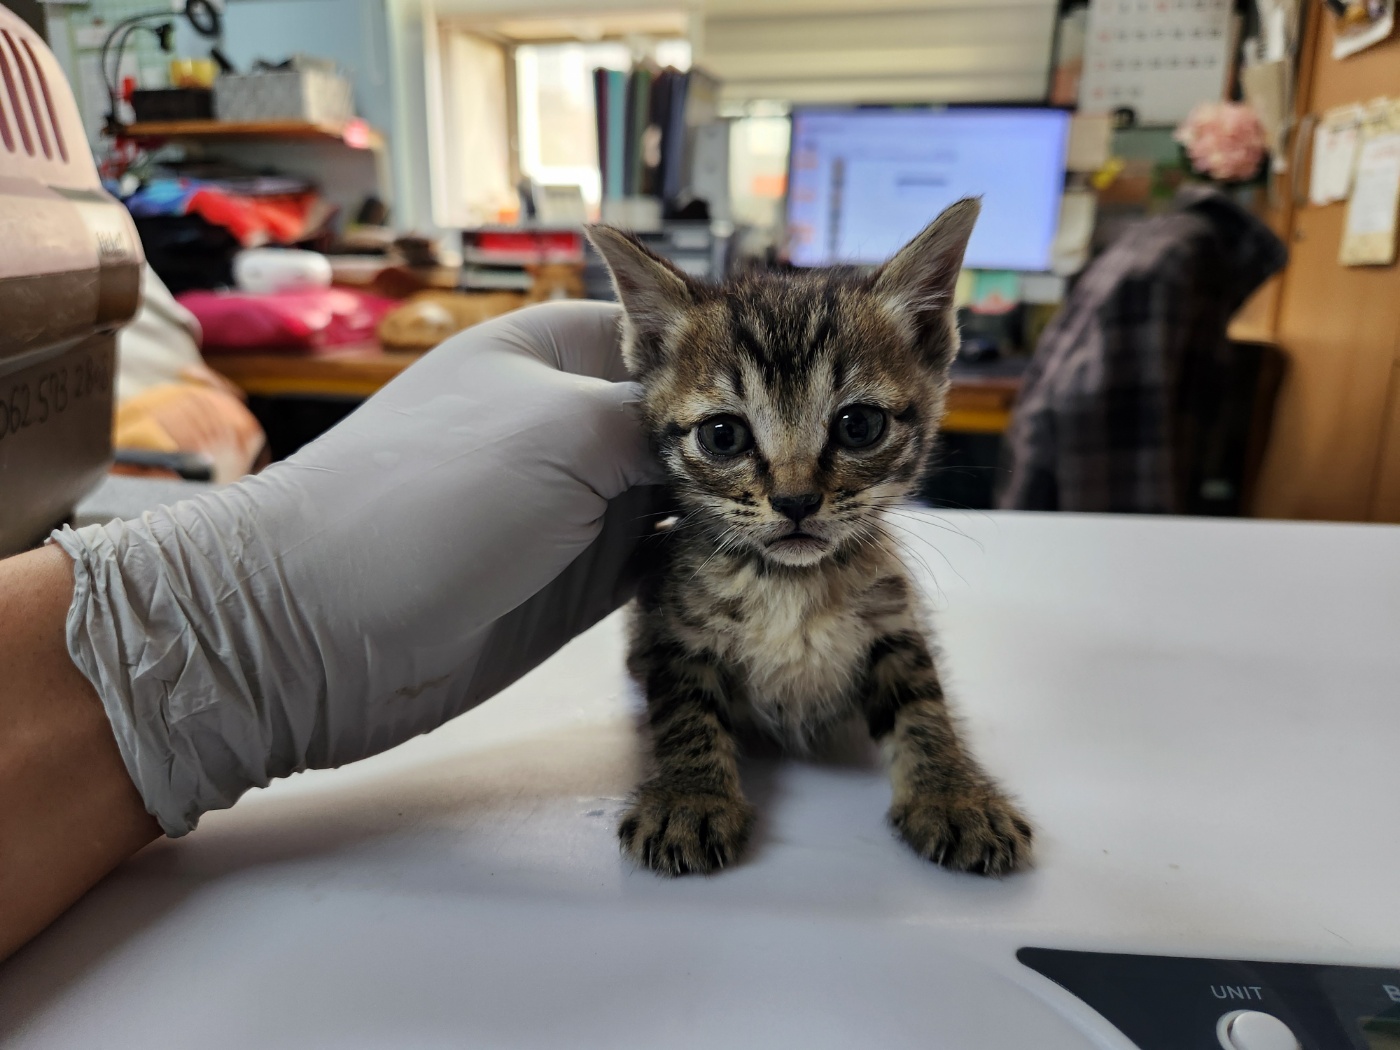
(437, 544)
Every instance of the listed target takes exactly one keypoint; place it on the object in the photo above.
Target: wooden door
(1340, 327)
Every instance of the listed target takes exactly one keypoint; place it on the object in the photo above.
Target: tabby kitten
(790, 410)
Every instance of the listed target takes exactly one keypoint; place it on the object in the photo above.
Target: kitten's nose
(797, 507)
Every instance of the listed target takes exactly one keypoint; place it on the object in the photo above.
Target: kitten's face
(791, 409)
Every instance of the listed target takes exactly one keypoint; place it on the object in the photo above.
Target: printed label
(1237, 991)
(37, 400)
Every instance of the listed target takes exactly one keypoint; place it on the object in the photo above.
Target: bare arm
(69, 812)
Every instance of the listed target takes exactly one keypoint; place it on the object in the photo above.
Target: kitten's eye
(725, 436)
(859, 426)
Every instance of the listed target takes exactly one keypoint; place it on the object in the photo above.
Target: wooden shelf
(345, 374)
(228, 129)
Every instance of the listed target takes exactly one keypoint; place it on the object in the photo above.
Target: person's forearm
(69, 812)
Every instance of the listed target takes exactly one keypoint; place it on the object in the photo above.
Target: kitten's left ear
(918, 283)
(654, 294)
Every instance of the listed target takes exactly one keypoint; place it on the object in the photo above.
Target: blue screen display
(864, 181)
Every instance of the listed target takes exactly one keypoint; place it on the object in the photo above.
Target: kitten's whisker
(904, 555)
(658, 515)
(981, 512)
(682, 525)
(924, 539)
(915, 514)
(925, 519)
(720, 549)
(916, 507)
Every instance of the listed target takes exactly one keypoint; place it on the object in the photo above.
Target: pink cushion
(293, 322)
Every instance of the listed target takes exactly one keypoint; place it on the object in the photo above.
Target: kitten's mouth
(799, 542)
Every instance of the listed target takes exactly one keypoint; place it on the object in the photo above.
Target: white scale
(1201, 716)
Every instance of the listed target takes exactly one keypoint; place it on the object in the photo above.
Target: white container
(264, 270)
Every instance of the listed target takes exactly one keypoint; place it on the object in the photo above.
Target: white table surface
(1201, 716)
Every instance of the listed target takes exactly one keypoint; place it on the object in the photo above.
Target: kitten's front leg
(691, 816)
(945, 805)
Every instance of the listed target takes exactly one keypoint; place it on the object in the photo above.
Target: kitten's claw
(680, 833)
(982, 833)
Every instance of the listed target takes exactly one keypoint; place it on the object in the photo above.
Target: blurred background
(1181, 298)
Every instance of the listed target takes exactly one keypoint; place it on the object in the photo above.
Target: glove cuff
(191, 731)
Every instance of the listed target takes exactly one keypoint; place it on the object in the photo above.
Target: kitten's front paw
(982, 833)
(679, 832)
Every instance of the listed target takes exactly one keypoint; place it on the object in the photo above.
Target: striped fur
(742, 628)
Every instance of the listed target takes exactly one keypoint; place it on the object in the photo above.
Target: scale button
(1253, 1030)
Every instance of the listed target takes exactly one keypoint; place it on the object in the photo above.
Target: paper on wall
(1334, 155)
(1369, 236)
(91, 36)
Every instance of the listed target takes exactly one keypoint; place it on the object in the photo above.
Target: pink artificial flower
(1225, 141)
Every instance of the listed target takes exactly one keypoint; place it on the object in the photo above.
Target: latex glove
(441, 541)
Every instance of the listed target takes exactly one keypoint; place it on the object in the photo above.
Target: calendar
(1156, 57)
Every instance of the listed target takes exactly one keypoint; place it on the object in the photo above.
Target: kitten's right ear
(654, 296)
(919, 282)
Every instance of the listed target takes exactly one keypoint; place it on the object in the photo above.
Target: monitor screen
(864, 181)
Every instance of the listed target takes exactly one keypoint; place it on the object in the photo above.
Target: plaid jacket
(1097, 422)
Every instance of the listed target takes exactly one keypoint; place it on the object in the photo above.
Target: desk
(977, 404)
(346, 374)
(1209, 758)
(979, 401)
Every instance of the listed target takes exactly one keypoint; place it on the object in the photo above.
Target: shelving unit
(356, 135)
(347, 161)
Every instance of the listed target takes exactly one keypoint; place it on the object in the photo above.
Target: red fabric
(556, 242)
(255, 220)
(293, 322)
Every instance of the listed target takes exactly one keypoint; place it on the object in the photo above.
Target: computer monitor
(861, 182)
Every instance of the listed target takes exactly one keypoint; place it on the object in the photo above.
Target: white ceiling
(817, 50)
(877, 51)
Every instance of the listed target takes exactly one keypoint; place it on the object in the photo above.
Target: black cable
(109, 79)
(201, 14)
(114, 85)
(114, 75)
(107, 44)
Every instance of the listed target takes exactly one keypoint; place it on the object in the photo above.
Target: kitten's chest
(799, 648)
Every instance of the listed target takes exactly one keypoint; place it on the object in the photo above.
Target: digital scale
(1201, 716)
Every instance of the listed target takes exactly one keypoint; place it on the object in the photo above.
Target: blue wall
(354, 33)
